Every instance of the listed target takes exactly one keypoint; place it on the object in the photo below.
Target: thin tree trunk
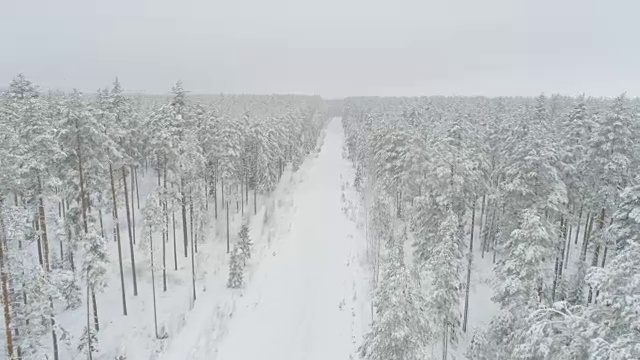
(133, 211)
(54, 336)
(255, 201)
(466, 296)
(215, 193)
(175, 246)
(133, 259)
(568, 247)
(4, 276)
(596, 253)
(43, 227)
(191, 217)
(184, 222)
(153, 283)
(96, 323)
(193, 264)
(222, 193)
(135, 173)
(578, 225)
(101, 222)
(89, 354)
(241, 192)
(227, 228)
(585, 238)
(165, 235)
(36, 225)
(118, 240)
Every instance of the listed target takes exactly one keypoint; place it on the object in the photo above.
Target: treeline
(546, 188)
(69, 176)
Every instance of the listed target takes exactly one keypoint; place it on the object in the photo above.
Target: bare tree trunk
(4, 276)
(96, 323)
(117, 227)
(255, 201)
(184, 222)
(133, 211)
(54, 336)
(36, 226)
(133, 259)
(215, 192)
(43, 227)
(193, 264)
(165, 234)
(578, 225)
(466, 296)
(175, 246)
(596, 253)
(191, 221)
(135, 173)
(227, 228)
(101, 222)
(89, 353)
(153, 283)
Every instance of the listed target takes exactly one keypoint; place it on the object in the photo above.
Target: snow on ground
(308, 297)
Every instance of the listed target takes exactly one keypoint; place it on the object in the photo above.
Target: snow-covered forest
(503, 228)
(236, 227)
(110, 204)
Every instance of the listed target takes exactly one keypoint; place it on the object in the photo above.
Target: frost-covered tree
(236, 269)
(244, 243)
(399, 330)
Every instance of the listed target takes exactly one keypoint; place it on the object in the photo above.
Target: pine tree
(244, 243)
(399, 330)
(236, 269)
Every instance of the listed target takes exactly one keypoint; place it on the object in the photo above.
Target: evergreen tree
(236, 269)
(399, 330)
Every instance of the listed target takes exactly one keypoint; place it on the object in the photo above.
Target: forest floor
(307, 295)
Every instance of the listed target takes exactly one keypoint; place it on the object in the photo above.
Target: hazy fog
(331, 47)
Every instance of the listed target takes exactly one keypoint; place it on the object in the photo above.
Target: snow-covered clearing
(308, 297)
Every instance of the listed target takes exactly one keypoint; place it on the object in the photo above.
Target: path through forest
(308, 297)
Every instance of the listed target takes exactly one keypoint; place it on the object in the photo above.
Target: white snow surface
(308, 296)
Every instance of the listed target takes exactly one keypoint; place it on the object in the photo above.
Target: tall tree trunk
(133, 211)
(191, 220)
(175, 246)
(193, 264)
(227, 228)
(54, 336)
(568, 248)
(135, 173)
(222, 193)
(255, 200)
(133, 259)
(184, 222)
(596, 253)
(153, 283)
(165, 234)
(101, 222)
(89, 346)
(43, 227)
(4, 277)
(36, 226)
(578, 225)
(585, 237)
(96, 323)
(117, 227)
(215, 192)
(466, 296)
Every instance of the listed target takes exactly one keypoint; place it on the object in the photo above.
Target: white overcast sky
(334, 48)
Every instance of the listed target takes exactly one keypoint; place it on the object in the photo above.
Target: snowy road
(308, 300)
